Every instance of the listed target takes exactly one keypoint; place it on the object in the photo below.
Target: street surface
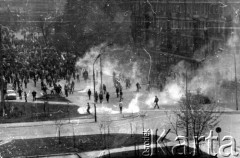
(145, 118)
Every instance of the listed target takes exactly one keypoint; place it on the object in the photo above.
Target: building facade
(173, 30)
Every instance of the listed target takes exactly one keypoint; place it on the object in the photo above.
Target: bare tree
(194, 118)
(104, 127)
(59, 124)
(142, 115)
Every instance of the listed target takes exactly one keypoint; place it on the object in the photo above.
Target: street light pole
(94, 89)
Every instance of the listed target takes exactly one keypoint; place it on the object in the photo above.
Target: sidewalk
(90, 118)
(79, 120)
(91, 154)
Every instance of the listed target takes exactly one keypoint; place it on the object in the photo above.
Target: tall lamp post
(150, 66)
(94, 88)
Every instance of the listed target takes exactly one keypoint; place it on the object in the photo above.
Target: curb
(56, 155)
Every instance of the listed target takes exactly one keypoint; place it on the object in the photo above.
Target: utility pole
(187, 110)
(94, 89)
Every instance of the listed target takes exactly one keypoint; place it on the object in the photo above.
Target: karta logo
(149, 142)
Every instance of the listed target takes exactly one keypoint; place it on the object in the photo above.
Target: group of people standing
(99, 96)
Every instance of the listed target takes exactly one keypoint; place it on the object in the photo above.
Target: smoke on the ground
(120, 60)
(207, 79)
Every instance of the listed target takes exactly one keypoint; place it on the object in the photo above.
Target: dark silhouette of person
(89, 94)
(138, 87)
(25, 82)
(104, 89)
(121, 94)
(88, 108)
(66, 90)
(20, 93)
(34, 93)
(96, 97)
(117, 91)
(107, 97)
(120, 106)
(25, 96)
(156, 102)
(35, 81)
(101, 97)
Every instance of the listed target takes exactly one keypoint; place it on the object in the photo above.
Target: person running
(88, 108)
(89, 94)
(156, 102)
(107, 97)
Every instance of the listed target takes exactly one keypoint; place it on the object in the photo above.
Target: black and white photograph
(119, 78)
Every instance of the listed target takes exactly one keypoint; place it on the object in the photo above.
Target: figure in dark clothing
(44, 89)
(78, 78)
(20, 93)
(66, 90)
(121, 94)
(35, 81)
(156, 102)
(104, 89)
(25, 82)
(117, 91)
(72, 86)
(96, 97)
(42, 84)
(34, 93)
(107, 97)
(89, 94)
(88, 108)
(101, 97)
(138, 87)
(120, 106)
(59, 89)
(25, 96)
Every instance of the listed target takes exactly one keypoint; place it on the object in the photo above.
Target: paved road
(86, 126)
(82, 126)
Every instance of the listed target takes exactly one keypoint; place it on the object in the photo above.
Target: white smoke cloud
(133, 106)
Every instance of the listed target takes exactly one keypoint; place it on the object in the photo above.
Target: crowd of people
(25, 60)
